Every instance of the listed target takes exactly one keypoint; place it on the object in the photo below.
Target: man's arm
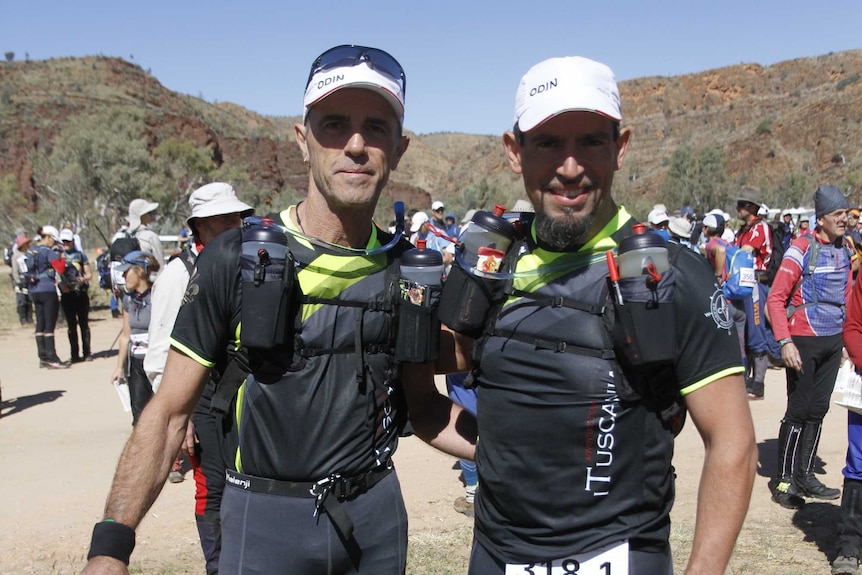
(150, 451)
(722, 416)
(436, 419)
(455, 352)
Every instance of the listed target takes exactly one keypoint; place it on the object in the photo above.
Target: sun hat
(66, 235)
(751, 195)
(567, 84)
(679, 227)
(360, 69)
(21, 240)
(468, 216)
(523, 205)
(657, 217)
(135, 258)
(52, 232)
(216, 199)
(437, 205)
(417, 220)
(137, 208)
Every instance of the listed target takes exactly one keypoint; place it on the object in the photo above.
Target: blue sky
(463, 59)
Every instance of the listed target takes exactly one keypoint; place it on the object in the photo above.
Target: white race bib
(608, 561)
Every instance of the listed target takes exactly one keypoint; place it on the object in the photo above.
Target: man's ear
(299, 131)
(399, 152)
(513, 151)
(622, 145)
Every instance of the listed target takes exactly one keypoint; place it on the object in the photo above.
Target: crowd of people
(269, 351)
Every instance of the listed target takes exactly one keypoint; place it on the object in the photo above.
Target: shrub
(763, 127)
(846, 82)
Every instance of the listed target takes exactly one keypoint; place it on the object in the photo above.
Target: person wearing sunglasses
(310, 486)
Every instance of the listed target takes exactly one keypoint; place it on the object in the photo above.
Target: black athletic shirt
(564, 466)
(318, 417)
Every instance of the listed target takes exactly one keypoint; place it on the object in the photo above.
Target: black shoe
(810, 486)
(844, 565)
(54, 364)
(785, 494)
(77, 359)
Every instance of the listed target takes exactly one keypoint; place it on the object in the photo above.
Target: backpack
(32, 275)
(813, 258)
(103, 267)
(776, 239)
(7, 254)
(739, 272)
(122, 245)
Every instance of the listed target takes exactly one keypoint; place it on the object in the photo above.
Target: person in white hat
(554, 365)
(45, 267)
(142, 213)
(438, 216)
(310, 483)
(215, 208)
(75, 297)
(658, 220)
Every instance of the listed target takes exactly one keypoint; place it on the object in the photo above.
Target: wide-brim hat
(216, 199)
(751, 195)
(679, 227)
(52, 232)
(137, 208)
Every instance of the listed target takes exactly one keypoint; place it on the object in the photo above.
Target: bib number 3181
(609, 561)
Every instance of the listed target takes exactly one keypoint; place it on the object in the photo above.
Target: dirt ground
(62, 431)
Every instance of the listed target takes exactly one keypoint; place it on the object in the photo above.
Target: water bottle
(267, 282)
(489, 230)
(466, 297)
(418, 339)
(645, 319)
(642, 252)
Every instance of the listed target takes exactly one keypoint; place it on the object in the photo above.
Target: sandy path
(61, 433)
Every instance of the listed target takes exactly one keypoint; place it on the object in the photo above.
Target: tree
(9, 56)
(99, 163)
(697, 178)
(184, 167)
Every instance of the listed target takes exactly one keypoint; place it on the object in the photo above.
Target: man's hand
(791, 357)
(190, 441)
(102, 565)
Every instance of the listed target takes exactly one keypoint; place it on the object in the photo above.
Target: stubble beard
(564, 233)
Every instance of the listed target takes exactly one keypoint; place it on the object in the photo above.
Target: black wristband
(112, 539)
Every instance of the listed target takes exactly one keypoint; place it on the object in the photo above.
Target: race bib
(609, 561)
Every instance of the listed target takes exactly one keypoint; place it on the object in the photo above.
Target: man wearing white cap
(214, 209)
(438, 216)
(310, 487)
(142, 213)
(585, 480)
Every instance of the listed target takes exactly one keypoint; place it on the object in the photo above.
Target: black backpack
(103, 267)
(776, 239)
(120, 247)
(7, 254)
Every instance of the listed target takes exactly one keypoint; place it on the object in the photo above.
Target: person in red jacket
(809, 331)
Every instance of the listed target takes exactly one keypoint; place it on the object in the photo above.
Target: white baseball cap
(416, 222)
(216, 199)
(562, 85)
(51, 231)
(438, 205)
(713, 221)
(325, 82)
(656, 217)
(66, 235)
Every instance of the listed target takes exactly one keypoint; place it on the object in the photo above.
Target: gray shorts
(264, 534)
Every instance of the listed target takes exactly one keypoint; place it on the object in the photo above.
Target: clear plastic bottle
(638, 251)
